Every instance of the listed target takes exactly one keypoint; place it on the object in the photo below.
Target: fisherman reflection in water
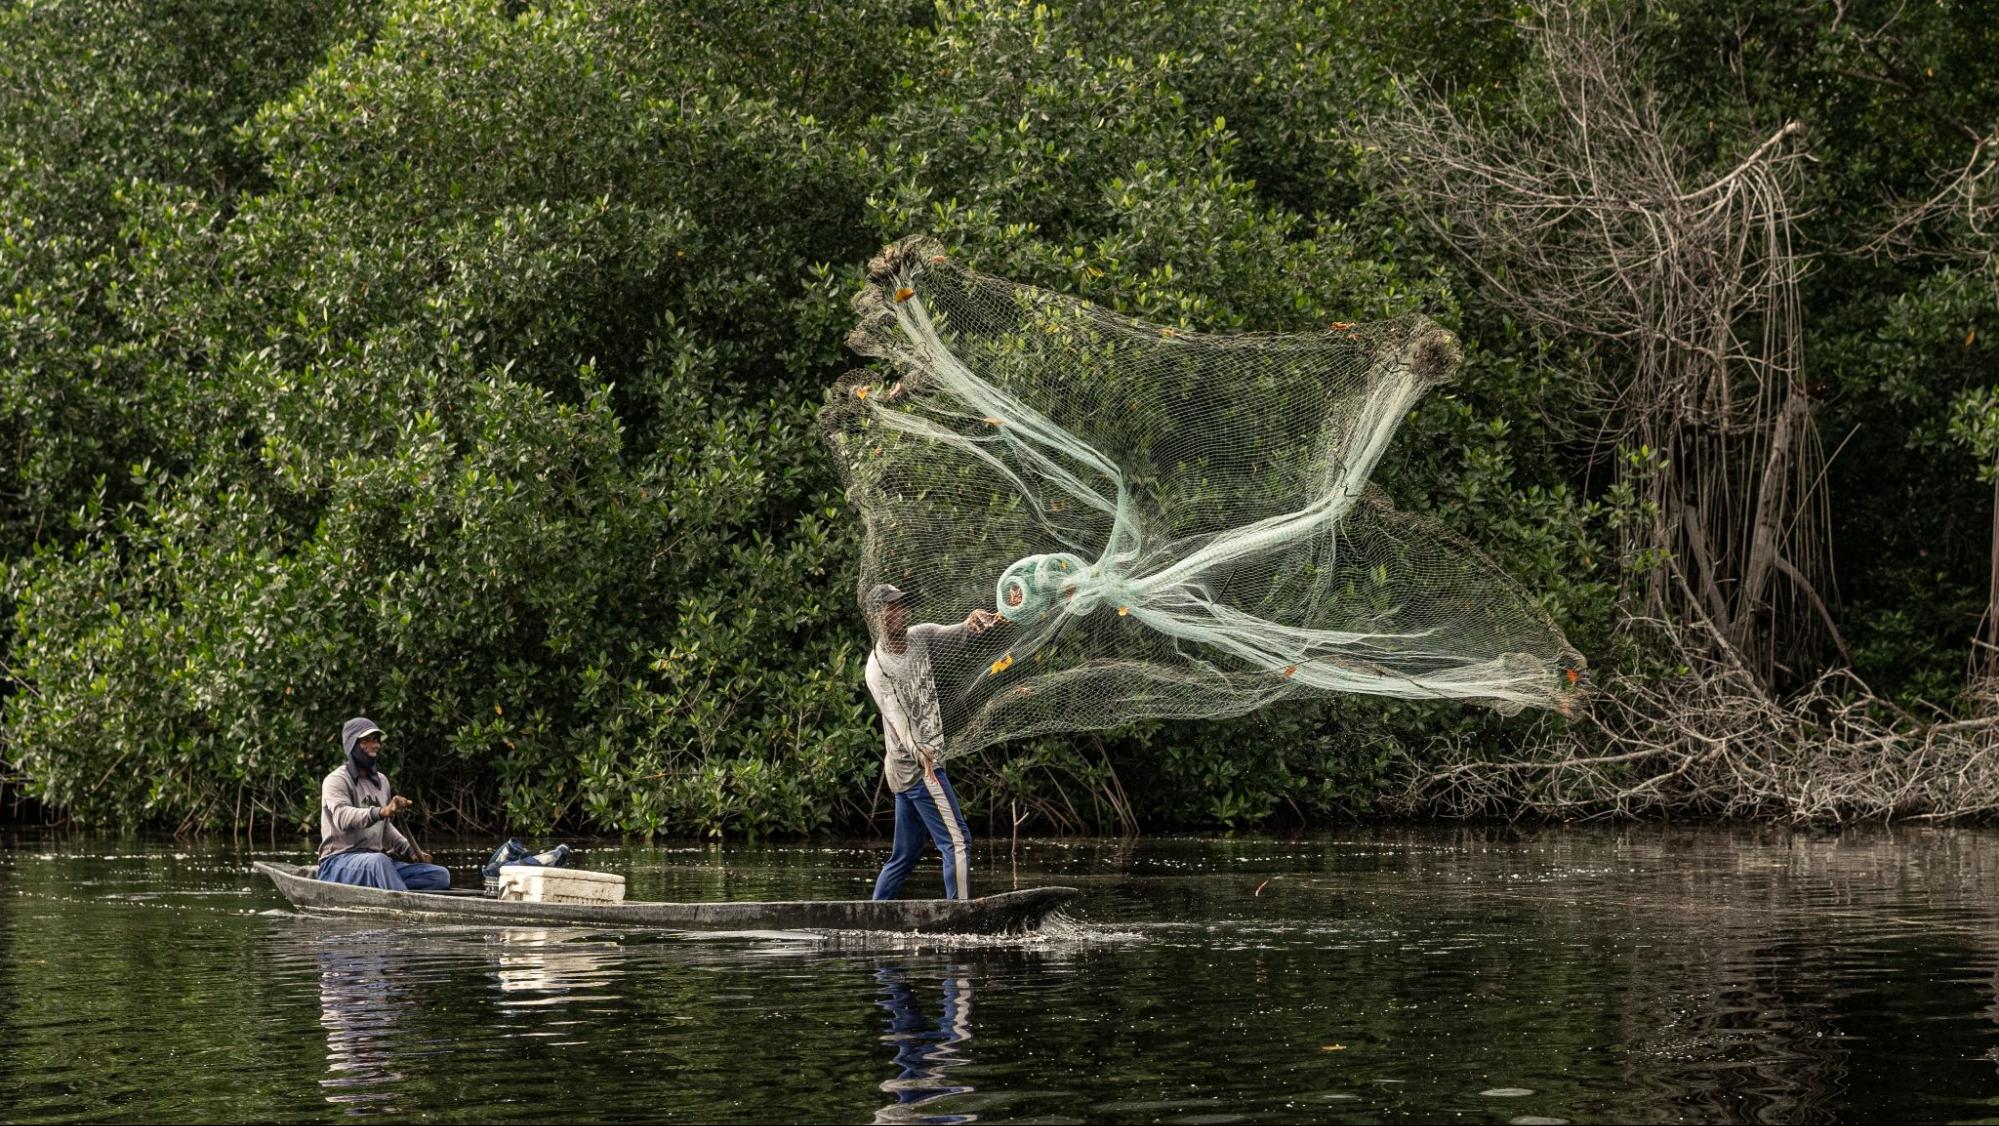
(358, 843)
(924, 1052)
(361, 998)
(899, 677)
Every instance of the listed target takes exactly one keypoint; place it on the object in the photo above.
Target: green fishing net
(1171, 524)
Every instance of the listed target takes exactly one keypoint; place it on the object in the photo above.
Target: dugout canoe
(1004, 913)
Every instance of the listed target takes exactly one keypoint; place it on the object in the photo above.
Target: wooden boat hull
(994, 914)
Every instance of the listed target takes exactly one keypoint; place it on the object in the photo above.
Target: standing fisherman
(899, 678)
(357, 843)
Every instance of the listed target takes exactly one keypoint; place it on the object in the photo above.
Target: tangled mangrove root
(1709, 742)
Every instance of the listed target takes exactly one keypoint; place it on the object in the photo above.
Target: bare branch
(1587, 215)
(1699, 744)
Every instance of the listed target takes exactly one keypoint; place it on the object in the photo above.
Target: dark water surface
(1480, 976)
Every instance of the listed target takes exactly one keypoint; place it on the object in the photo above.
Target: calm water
(1482, 976)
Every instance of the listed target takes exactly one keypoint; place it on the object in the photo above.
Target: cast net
(1171, 524)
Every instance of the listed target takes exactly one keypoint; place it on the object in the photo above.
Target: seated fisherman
(899, 677)
(357, 843)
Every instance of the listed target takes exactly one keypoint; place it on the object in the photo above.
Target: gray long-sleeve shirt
(350, 815)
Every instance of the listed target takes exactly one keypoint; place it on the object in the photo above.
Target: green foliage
(456, 364)
(1975, 423)
(510, 444)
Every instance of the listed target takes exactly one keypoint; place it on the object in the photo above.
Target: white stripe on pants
(960, 850)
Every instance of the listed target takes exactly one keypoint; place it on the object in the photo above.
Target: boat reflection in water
(360, 999)
(925, 1052)
(545, 966)
(380, 994)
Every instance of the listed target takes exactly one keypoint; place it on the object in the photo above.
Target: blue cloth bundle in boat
(514, 852)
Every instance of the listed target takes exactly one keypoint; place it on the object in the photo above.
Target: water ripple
(1523, 976)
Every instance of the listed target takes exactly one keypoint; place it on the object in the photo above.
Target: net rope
(1171, 524)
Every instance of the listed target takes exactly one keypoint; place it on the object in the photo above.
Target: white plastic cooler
(531, 883)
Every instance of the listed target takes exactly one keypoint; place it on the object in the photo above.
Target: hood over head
(351, 734)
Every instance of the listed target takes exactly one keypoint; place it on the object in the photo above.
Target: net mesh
(1170, 524)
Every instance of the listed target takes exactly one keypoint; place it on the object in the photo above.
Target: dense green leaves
(456, 364)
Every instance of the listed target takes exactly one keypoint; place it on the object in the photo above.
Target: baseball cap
(885, 595)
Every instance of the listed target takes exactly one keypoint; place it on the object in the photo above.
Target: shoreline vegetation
(459, 364)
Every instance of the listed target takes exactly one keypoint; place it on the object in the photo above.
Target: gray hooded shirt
(350, 805)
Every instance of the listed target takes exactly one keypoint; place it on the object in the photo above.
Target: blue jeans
(929, 811)
(925, 1052)
(380, 870)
